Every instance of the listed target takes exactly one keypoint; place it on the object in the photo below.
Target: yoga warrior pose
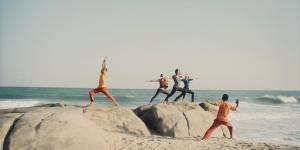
(176, 87)
(186, 88)
(222, 116)
(102, 86)
(163, 85)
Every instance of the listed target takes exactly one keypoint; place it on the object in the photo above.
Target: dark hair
(102, 71)
(161, 75)
(225, 97)
(176, 71)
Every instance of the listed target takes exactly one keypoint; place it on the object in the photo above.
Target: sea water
(263, 116)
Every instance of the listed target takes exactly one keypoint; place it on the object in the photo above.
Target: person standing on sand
(163, 85)
(102, 86)
(222, 116)
(186, 88)
(177, 77)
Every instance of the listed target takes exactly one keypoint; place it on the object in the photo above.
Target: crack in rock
(187, 122)
(38, 126)
(7, 141)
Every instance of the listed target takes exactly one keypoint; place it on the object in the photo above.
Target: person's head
(225, 97)
(177, 71)
(186, 77)
(104, 69)
(161, 75)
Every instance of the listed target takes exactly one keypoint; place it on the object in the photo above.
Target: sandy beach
(129, 142)
(61, 126)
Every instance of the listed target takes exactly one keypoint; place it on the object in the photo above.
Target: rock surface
(210, 108)
(67, 127)
(116, 119)
(182, 119)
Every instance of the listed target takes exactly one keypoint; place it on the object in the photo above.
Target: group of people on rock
(224, 105)
(177, 78)
(163, 85)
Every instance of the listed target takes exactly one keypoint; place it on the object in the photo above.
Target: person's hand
(237, 102)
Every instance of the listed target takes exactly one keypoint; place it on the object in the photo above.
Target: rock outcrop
(182, 119)
(210, 108)
(67, 127)
(116, 119)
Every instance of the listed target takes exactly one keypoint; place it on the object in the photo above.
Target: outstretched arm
(153, 80)
(215, 103)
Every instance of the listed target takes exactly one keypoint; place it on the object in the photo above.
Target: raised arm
(234, 107)
(103, 64)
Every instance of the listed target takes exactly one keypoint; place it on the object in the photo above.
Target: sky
(230, 45)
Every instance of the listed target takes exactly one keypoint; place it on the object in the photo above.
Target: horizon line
(298, 90)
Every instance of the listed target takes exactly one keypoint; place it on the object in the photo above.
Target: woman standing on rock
(102, 86)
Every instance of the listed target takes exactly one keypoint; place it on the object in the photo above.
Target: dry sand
(130, 142)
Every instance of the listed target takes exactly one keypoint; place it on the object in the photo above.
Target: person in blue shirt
(186, 88)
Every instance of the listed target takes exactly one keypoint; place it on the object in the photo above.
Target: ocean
(263, 116)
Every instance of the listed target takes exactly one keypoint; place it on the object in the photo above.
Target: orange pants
(105, 91)
(216, 124)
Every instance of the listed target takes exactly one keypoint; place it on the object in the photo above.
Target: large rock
(182, 119)
(116, 119)
(210, 108)
(55, 128)
(68, 127)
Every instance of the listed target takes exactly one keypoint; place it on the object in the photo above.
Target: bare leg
(92, 94)
(109, 96)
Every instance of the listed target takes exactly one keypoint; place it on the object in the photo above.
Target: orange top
(102, 79)
(224, 108)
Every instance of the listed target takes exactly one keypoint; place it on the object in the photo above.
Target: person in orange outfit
(102, 86)
(222, 116)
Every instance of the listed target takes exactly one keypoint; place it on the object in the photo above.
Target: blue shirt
(186, 83)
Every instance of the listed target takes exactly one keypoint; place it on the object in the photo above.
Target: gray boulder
(116, 119)
(210, 108)
(67, 127)
(182, 119)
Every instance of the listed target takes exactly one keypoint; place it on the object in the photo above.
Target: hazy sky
(228, 44)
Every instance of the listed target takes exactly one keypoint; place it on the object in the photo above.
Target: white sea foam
(251, 111)
(19, 103)
(282, 99)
